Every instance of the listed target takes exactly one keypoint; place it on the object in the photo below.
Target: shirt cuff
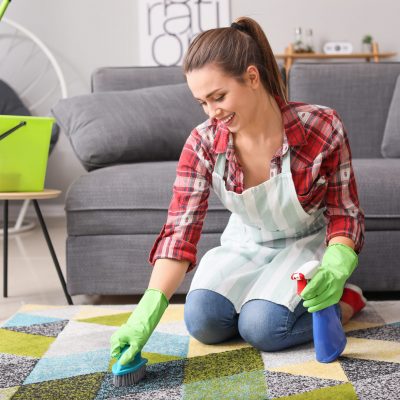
(176, 249)
(348, 227)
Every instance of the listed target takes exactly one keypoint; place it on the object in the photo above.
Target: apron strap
(219, 167)
(286, 162)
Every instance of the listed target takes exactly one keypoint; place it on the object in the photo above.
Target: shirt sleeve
(188, 207)
(345, 216)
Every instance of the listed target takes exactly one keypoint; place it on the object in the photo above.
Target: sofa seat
(114, 215)
(132, 199)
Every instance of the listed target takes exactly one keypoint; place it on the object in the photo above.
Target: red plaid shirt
(320, 164)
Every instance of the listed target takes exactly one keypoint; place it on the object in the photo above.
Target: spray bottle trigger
(304, 274)
(301, 281)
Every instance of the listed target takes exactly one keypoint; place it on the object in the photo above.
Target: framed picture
(166, 27)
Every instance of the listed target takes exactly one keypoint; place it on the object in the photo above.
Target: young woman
(284, 171)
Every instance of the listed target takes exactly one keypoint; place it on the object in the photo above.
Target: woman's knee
(209, 317)
(262, 326)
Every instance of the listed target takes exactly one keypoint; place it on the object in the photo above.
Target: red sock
(352, 295)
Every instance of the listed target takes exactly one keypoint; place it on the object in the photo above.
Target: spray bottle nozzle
(305, 273)
(301, 281)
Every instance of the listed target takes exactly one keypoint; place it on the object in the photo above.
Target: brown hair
(233, 49)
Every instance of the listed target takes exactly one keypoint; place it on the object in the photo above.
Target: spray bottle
(329, 337)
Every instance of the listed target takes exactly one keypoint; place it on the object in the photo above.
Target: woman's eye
(219, 99)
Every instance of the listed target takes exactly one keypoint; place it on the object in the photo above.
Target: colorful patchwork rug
(63, 353)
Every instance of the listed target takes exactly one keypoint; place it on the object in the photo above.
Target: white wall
(347, 20)
(87, 34)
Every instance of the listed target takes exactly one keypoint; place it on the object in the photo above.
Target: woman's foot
(352, 302)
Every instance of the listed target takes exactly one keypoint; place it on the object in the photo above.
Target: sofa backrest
(108, 79)
(360, 92)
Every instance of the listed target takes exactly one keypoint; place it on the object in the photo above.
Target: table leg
(5, 249)
(52, 252)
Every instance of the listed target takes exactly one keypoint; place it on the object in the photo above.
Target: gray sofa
(115, 212)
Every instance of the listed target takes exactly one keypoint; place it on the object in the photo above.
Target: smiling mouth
(228, 119)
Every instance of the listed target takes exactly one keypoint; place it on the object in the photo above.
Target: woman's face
(223, 97)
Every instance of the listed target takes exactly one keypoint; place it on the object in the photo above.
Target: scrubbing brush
(131, 373)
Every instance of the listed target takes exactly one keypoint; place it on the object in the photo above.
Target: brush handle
(137, 363)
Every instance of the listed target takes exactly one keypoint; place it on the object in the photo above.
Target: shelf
(290, 56)
(298, 56)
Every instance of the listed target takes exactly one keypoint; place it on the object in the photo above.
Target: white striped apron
(268, 236)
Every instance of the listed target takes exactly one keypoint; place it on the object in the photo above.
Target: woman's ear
(253, 76)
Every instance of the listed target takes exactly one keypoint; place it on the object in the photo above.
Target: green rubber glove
(326, 286)
(140, 325)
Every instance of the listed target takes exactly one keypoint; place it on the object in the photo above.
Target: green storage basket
(24, 151)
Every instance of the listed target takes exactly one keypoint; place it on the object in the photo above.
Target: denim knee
(210, 317)
(263, 328)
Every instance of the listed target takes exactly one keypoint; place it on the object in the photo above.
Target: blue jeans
(211, 318)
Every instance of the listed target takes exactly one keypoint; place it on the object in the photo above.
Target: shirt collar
(294, 129)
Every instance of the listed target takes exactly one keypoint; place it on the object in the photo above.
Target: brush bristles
(130, 378)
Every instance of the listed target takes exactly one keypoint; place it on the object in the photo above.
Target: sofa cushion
(391, 137)
(149, 124)
(129, 199)
(360, 92)
(133, 199)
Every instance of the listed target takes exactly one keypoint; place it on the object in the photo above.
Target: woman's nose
(216, 113)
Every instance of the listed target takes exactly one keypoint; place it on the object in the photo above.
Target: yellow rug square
(197, 348)
(369, 349)
(8, 393)
(315, 369)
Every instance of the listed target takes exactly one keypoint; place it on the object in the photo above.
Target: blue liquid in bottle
(329, 337)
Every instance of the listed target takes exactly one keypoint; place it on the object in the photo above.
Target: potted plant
(367, 44)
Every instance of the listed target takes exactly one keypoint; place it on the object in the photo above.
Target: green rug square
(218, 365)
(111, 320)
(24, 344)
(247, 385)
(81, 387)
